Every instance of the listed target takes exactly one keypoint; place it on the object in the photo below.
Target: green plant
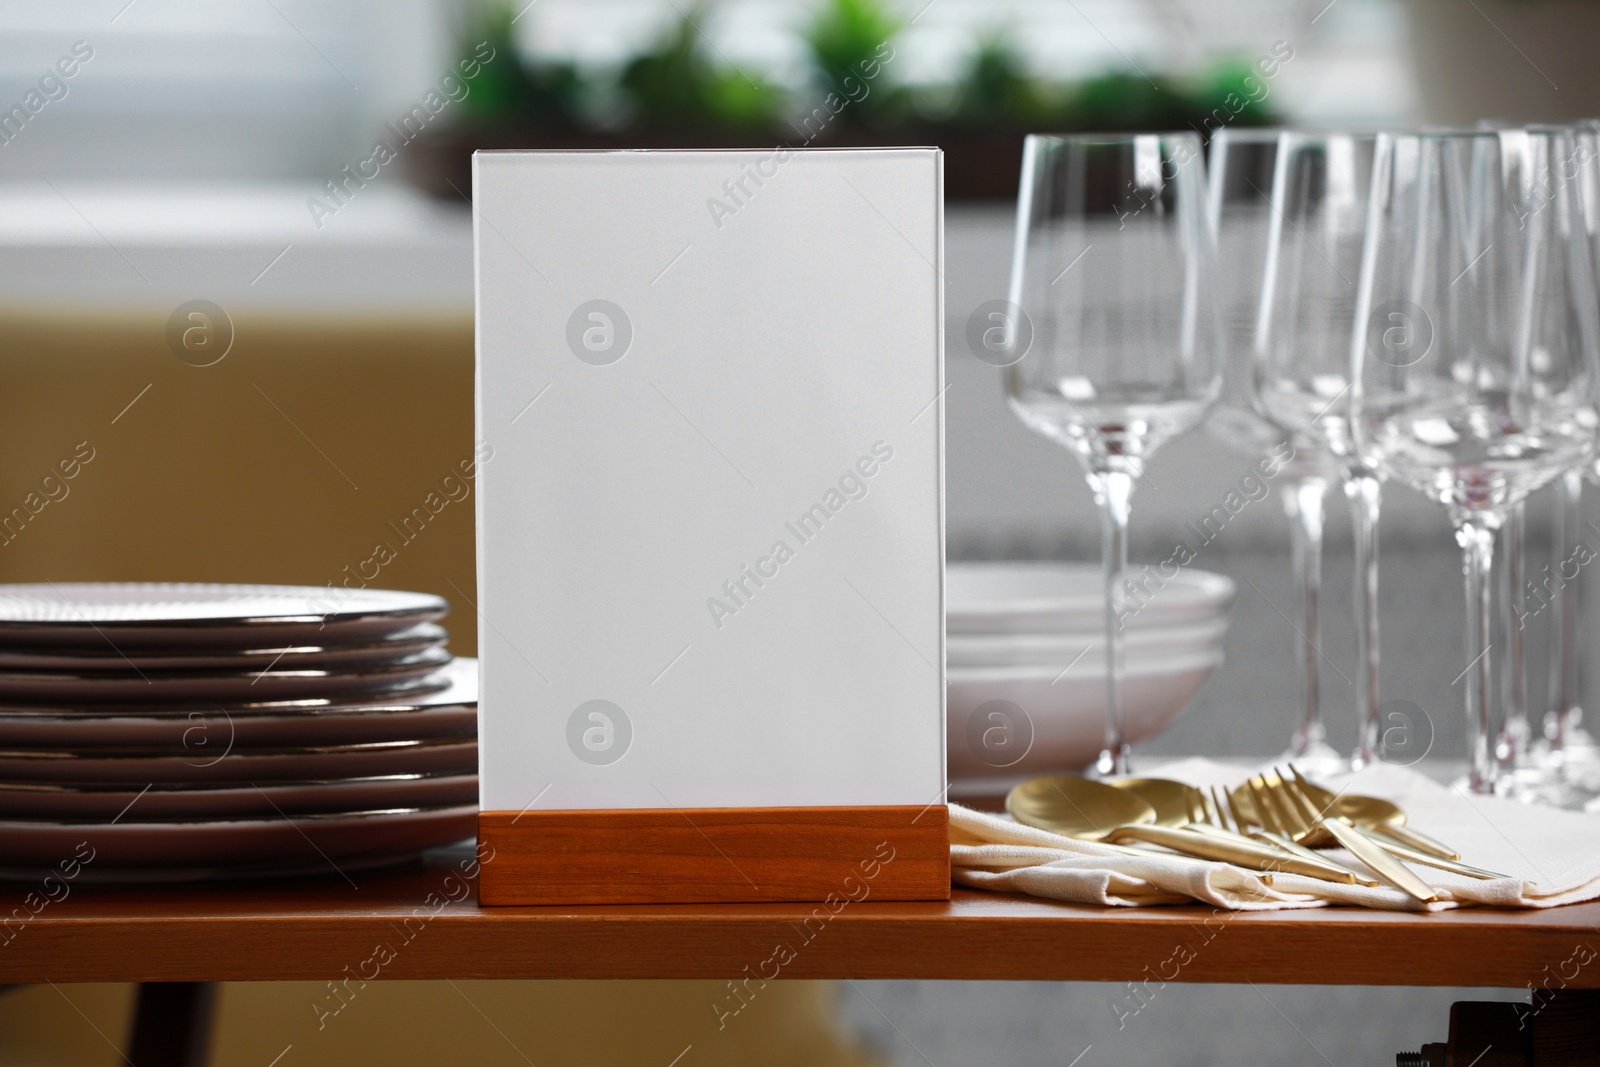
(997, 90)
(676, 85)
(1124, 101)
(850, 42)
(547, 94)
(681, 84)
(1234, 94)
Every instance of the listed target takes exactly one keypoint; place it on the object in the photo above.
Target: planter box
(978, 165)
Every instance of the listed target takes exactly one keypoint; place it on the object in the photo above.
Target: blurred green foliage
(677, 85)
(549, 95)
(996, 88)
(682, 83)
(849, 43)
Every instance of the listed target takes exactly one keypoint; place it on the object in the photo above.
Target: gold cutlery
(1275, 834)
(1370, 813)
(1077, 807)
(1373, 813)
(1304, 826)
(1178, 804)
(1308, 806)
(1284, 800)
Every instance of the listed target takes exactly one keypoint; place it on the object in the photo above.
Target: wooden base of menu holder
(714, 855)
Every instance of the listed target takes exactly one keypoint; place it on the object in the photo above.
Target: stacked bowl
(1026, 663)
(160, 731)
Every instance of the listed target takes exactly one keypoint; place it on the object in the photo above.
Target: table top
(423, 922)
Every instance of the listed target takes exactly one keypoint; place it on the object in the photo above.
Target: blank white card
(710, 530)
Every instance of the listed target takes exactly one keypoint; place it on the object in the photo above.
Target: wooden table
(423, 922)
(328, 928)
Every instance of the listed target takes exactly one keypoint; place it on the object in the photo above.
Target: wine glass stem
(1302, 499)
(1114, 492)
(1365, 495)
(1512, 744)
(1477, 545)
(1564, 684)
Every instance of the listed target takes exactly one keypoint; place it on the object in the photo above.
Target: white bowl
(1083, 649)
(1019, 597)
(1006, 722)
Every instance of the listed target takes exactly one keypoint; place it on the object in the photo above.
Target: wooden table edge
(122, 936)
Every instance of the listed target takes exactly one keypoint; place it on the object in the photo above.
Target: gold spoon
(1074, 806)
(1174, 802)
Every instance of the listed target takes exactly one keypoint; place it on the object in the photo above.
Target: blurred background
(300, 166)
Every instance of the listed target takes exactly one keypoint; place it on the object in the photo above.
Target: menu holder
(710, 526)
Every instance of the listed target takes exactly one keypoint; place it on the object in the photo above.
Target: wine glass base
(1316, 760)
(1565, 777)
(1545, 786)
(1463, 785)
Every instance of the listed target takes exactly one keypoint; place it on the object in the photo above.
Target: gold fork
(1211, 822)
(1393, 830)
(1306, 824)
(1274, 832)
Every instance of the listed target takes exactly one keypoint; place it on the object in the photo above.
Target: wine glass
(1476, 362)
(1302, 350)
(1570, 756)
(1114, 267)
(1240, 171)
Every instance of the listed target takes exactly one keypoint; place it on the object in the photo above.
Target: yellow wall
(233, 472)
(204, 479)
(485, 1024)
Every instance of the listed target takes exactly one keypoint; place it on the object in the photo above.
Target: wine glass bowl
(1308, 299)
(1239, 201)
(1480, 456)
(1111, 242)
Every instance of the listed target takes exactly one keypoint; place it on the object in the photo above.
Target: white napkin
(1551, 856)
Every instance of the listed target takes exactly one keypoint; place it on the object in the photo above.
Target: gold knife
(1241, 853)
(1383, 864)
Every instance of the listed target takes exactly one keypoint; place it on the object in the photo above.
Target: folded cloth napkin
(1550, 856)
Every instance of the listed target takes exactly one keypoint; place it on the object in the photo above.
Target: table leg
(1557, 1028)
(172, 1024)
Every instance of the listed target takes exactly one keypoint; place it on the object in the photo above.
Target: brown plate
(232, 687)
(221, 766)
(182, 615)
(387, 649)
(220, 844)
(448, 711)
(41, 800)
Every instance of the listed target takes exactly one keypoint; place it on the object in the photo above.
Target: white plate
(213, 763)
(450, 711)
(182, 615)
(1084, 650)
(302, 841)
(1053, 722)
(386, 649)
(231, 687)
(1037, 598)
(40, 800)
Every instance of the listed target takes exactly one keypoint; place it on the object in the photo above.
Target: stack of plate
(1026, 662)
(171, 731)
